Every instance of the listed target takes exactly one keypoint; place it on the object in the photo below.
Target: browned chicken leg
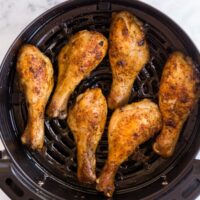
(128, 53)
(86, 121)
(129, 127)
(177, 96)
(84, 51)
(36, 78)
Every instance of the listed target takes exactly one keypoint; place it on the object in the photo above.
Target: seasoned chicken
(84, 51)
(128, 53)
(36, 79)
(129, 127)
(177, 95)
(86, 121)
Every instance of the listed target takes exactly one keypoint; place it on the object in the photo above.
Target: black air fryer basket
(51, 174)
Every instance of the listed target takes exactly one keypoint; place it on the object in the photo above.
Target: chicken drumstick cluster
(130, 125)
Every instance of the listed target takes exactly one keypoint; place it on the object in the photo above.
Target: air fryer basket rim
(193, 150)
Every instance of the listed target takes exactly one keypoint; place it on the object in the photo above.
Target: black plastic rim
(163, 35)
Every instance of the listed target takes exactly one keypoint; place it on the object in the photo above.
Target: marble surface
(16, 15)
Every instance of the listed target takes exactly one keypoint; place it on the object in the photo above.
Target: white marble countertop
(16, 15)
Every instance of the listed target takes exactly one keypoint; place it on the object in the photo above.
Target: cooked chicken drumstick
(36, 78)
(128, 53)
(129, 127)
(86, 121)
(84, 51)
(177, 96)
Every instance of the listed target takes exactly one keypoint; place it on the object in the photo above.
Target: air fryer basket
(51, 174)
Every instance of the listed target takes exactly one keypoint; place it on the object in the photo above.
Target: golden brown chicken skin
(86, 121)
(36, 79)
(128, 53)
(84, 51)
(177, 95)
(129, 127)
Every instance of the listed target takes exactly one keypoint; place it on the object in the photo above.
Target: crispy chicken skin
(36, 79)
(177, 95)
(128, 53)
(86, 121)
(84, 51)
(129, 127)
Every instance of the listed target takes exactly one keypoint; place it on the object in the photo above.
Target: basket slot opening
(55, 157)
(14, 187)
